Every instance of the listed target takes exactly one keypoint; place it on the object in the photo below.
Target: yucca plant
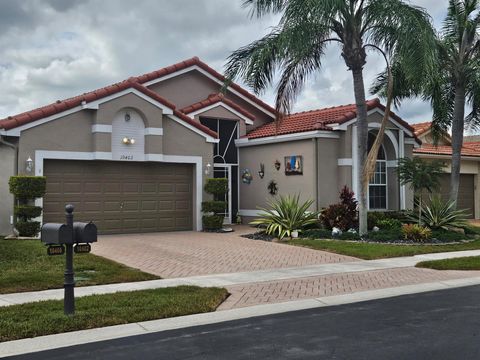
(440, 214)
(285, 215)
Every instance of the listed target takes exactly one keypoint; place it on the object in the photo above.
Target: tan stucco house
(468, 196)
(134, 156)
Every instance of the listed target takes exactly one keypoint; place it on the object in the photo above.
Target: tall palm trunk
(457, 139)
(362, 147)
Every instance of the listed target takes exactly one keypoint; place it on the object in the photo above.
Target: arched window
(377, 188)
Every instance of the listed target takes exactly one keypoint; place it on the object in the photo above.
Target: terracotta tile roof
(317, 120)
(136, 82)
(468, 149)
(214, 99)
(422, 127)
(196, 61)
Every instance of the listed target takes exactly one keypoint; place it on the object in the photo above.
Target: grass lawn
(465, 263)
(370, 251)
(25, 266)
(46, 317)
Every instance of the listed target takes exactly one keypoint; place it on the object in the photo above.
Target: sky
(54, 49)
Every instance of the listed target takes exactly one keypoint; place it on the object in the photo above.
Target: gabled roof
(319, 119)
(215, 99)
(471, 149)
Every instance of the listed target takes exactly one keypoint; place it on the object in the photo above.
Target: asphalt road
(436, 325)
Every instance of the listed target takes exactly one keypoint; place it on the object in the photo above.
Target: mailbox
(56, 234)
(85, 232)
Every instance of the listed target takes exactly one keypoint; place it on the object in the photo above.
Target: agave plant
(285, 215)
(440, 214)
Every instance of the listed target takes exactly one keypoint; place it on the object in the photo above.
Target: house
(468, 196)
(134, 156)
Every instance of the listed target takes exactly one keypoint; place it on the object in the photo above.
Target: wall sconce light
(128, 141)
(261, 173)
(29, 164)
(208, 168)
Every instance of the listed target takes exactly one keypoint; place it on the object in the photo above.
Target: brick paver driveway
(181, 254)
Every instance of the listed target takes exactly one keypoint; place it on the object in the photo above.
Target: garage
(121, 197)
(466, 191)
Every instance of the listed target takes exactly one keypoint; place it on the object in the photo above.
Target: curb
(56, 341)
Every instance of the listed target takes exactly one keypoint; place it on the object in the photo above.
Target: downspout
(316, 173)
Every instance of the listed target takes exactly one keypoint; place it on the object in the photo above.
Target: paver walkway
(335, 284)
(185, 253)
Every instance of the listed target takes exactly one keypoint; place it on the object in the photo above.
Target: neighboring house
(468, 196)
(134, 156)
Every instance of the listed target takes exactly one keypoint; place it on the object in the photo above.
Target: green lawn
(464, 263)
(370, 251)
(46, 317)
(25, 266)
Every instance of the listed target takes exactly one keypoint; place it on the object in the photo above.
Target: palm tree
(296, 47)
(456, 82)
(421, 176)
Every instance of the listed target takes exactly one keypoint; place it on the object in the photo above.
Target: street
(435, 325)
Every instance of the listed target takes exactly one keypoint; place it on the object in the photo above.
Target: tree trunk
(457, 139)
(361, 150)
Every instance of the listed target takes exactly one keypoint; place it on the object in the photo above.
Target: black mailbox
(56, 234)
(85, 232)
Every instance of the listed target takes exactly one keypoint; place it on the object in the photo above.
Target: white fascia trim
(345, 125)
(208, 138)
(288, 137)
(96, 104)
(345, 162)
(226, 107)
(41, 155)
(249, 212)
(210, 76)
(100, 128)
(154, 131)
(445, 157)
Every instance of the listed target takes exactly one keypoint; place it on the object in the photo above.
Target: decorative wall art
(261, 173)
(277, 165)
(294, 165)
(247, 176)
(272, 187)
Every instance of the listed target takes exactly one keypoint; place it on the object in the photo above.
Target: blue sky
(54, 49)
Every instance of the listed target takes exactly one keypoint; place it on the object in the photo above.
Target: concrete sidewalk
(267, 286)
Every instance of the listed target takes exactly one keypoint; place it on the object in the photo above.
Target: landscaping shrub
(387, 235)
(317, 234)
(347, 235)
(416, 232)
(213, 210)
(26, 189)
(27, 228)
(444, 235)
(285, 215)
(389, 224)
(373, 217)
(342, 215)
(439, 214)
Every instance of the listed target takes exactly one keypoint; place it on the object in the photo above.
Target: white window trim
(210, 76)
(41, 155)
(243, 142)
(226, 107)
(386, 187)
(101, 128)
(345, 162)
(154, 131)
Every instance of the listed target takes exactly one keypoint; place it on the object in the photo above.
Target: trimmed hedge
(25, 212)
(27, 187)
(28, 228)
(212, 222)
(217, 187)
(213, 206)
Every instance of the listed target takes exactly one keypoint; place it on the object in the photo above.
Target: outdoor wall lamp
(128, 141)
(208, 168)
(29, 164)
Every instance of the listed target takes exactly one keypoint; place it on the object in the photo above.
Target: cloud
(54, 49)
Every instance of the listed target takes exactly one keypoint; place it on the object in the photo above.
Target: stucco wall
(328, 180)
(7, 169)
(256, 193)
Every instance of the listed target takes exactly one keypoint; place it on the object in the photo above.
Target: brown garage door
(121, 197)
(466, 198)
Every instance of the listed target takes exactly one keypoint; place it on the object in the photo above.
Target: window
(377, 189)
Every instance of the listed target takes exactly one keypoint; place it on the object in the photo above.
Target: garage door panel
(121, 197)
(466, 191)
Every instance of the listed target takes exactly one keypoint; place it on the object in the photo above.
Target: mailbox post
(68, 280)
(64, 236)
